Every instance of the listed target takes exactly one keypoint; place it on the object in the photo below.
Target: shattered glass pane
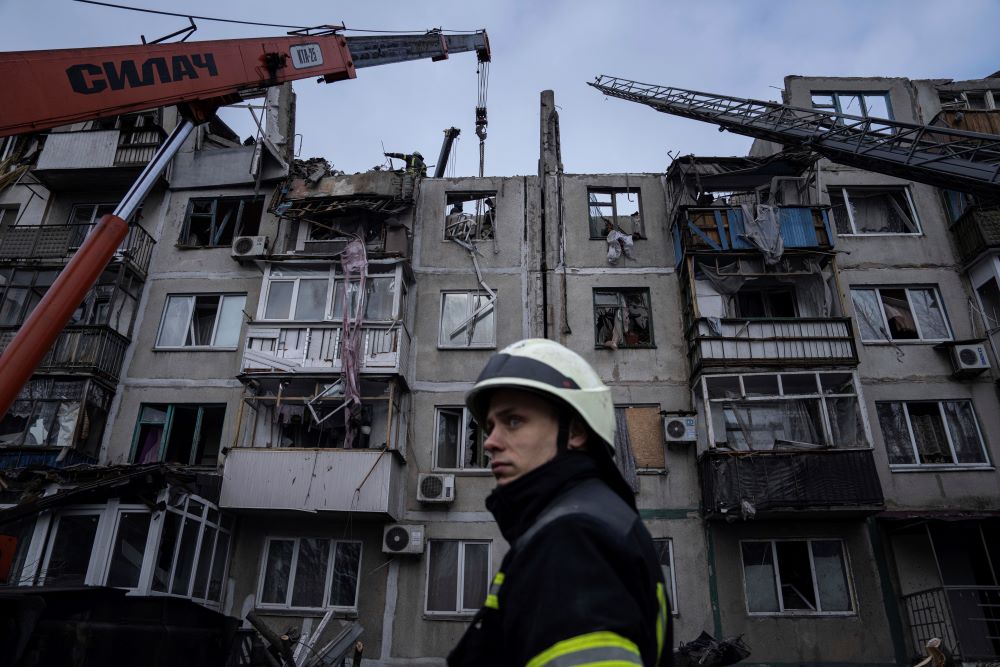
(895, 434)
(846, 424)
(930, 314)
(346, 565)
(869, 315)
(897, 313)
(379, 296)
(310, 572)
(727, 386)
(448, 435)
(278, 569)
(964, 432)
(797, 590)
(760, 385)
(878, 211)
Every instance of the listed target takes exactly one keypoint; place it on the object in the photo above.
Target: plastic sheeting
(764, 232)
(618, 244)
(715, 289)
(354, 261)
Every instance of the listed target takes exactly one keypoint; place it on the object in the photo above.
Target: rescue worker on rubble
(415, 165)
(581, 583)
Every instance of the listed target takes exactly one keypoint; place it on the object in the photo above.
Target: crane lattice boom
(939, 156)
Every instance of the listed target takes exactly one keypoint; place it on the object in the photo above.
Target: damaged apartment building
(260, 408)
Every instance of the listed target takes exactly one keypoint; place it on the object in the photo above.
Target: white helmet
(545, 367)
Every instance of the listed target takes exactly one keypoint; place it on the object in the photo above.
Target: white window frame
(916, 321)
(470, 294)
(827, 429)
(215, 326)
(850, 212)
(287, 605)
(99, 567)
(265, 293)
(674, 610)
(812, 567)
(460, 573)
(902, 467)
(860, 94)
(464, 438)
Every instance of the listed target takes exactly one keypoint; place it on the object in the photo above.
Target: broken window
(622, 318)
(178, 433)
(46, 414)
(931, 433)
(640, 432)
(459, 443)
(193, 550)
(665, 552)
(457, 576)
(68, 558)
(788, 411)
(20, 292)
(83, 217)
(309, 573)
(873, 211)
(796, 577)
(900, 313)
(470, 216)
(467, 320)
(615, 209)
(956, 203)
(766, 302)
(380, 294)
(202, 320)
(215, 222)
(858, 103)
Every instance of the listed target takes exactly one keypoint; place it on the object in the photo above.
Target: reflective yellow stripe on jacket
(661, 620)
(604, 649)
(492, 598)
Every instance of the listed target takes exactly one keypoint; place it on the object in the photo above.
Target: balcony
(58, 242)
(977, 231)
(311, 480)
(722, 230)
(769, 342)
(103, 159)
(317, 349)
(965, 618)
(91, 350)
(771, 484)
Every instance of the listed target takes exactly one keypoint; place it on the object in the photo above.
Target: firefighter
(581, 583)
(415, 165)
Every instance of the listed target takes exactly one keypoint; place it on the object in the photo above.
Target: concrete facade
(636, 320)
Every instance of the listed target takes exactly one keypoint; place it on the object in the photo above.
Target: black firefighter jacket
(581, 583)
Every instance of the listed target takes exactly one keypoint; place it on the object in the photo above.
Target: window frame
(470, 311)
(293, 570)
(820, 395)
(9, 212)
(215, 325)
(626, 190)
(621, 292)
(334, 279)
(782, 612)
(460, 573)
(168, 422)
(464, 438)
(837, 106)
(453, 197)
(674, 610)
(78, 236)
(920, 340)
(940, 467)
(183, 239)
(845, 195)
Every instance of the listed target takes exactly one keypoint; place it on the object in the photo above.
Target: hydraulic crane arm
(64, 86)
(69, 85)
(938, 156)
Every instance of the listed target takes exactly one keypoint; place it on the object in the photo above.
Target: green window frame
(160, 430)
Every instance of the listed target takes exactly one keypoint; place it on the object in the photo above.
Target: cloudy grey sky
(735, 47)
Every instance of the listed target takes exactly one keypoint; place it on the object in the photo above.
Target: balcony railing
(723, 229)
(965, 618)
(330, 480)
(801, 340)
(976, 231)
(768, 483)
(300, 348)
(95, 350)
(24, 242)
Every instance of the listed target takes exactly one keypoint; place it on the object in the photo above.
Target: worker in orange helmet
(581, 583)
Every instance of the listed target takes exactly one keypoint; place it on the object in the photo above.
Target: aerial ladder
(62, 86)
(939, 156)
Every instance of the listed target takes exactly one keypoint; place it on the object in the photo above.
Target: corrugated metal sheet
(311, 480)
(797, 230)
(79, 150)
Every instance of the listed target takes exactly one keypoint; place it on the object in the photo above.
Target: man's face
(523, 430)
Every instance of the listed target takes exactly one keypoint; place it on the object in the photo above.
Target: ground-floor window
(309, 573)
(457, 576)
(796, 577)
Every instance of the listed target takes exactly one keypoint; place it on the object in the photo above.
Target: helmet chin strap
(562, 439)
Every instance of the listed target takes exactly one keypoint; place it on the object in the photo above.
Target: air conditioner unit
(249, 247)
(403, 539)
(679, 427)
(435, 488)
(969, 360)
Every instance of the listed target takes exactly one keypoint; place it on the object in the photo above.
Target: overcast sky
(736, 47)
